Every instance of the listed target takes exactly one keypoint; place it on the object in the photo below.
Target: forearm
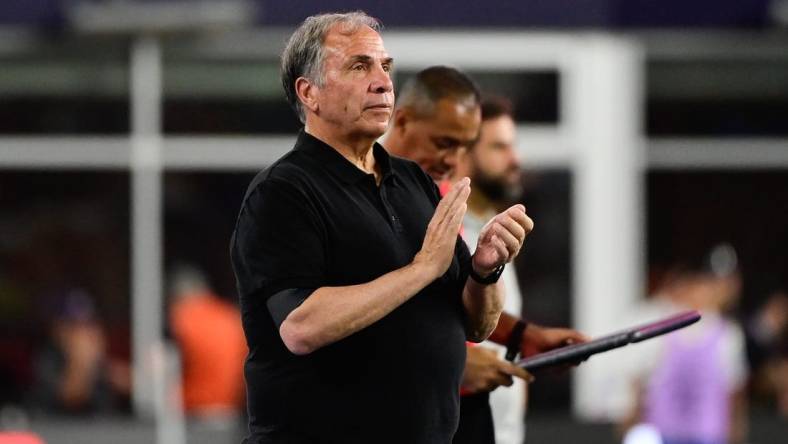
(499, 243)
(483, 306)
(330, 314)
(503, 329)
(333, 313)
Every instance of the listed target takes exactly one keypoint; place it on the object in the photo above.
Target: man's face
(495, 167)
(436, 141)
(357, 95)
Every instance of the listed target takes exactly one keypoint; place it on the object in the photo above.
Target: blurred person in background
(73, 373)
(778, 378)
(437, 118)
(766, 337)
(207, 330)
(690, 385)
(765, 329)
(492, 164)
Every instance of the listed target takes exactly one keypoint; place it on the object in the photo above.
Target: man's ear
(401, 119)
(307, 93)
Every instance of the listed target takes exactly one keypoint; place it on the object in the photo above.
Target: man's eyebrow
(448, 140)
(360, 58)
(368, 59)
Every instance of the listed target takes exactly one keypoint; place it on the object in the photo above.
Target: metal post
(605, 118)
(146, 223)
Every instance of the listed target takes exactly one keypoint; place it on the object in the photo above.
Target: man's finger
(454, 222)
(449, 197)
(502, 379)
(518, 371)
(529, 224)
(500, 247)
(511, 225)
(485, 234)
(580, 337)
(516, 207)
(512, 243)
(574, 336)
(515, 217)
(456, 211)
(456, 197)
(456, 189)
(517, 212)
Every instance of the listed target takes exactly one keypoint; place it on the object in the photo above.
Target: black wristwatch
(515, 341)
(489, 279)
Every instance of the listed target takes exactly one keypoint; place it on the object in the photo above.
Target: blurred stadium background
(129, 129)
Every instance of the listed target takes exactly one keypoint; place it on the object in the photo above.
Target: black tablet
(579, 352)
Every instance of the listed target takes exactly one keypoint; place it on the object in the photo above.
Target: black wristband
(515, 340)
(491, 278)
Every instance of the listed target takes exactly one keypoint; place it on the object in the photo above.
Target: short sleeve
(278, 242)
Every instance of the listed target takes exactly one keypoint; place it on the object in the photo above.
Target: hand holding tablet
(579, 352)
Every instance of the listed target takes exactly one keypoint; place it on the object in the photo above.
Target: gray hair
(304, 55)
(423, 91)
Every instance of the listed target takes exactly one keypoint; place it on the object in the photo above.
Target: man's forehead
(363, 41)
(499, 125)
(464, 107)
(500, 130)
(457, 115)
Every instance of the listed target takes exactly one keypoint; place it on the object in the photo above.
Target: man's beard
(497, 189)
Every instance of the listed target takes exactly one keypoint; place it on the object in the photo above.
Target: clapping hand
(501, 239)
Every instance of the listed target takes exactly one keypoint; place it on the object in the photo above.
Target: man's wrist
(487, 277)
(515, 342)
(479, 270)
(424, 271)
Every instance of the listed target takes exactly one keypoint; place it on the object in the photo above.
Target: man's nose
(381, 81)
(512, 157)
(452, 157)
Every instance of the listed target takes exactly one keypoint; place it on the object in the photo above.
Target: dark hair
(430, 85)
(72, 304)
(496, 106)
(303, 56)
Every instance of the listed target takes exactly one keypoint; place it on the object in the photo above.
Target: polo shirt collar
(337, 163)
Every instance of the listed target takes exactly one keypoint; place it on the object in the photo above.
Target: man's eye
(358, 67)
(387, 68)
(446, 144)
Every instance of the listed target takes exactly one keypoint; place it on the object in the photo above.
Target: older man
(356, 292)
(441, 123)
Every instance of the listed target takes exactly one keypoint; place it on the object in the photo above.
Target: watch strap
(515, 341)
(489, 279)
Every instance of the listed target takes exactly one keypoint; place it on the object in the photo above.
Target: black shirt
(311, 220)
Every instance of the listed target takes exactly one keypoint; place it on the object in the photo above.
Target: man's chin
(438, 177)
(373, 131)
(514, 180)
(376, 128)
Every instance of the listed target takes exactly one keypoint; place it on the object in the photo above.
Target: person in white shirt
(438, 118)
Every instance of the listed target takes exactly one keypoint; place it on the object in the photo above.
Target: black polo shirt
(311, 220)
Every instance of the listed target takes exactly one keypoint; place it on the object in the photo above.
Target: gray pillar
(146, 219)
(604, 117)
